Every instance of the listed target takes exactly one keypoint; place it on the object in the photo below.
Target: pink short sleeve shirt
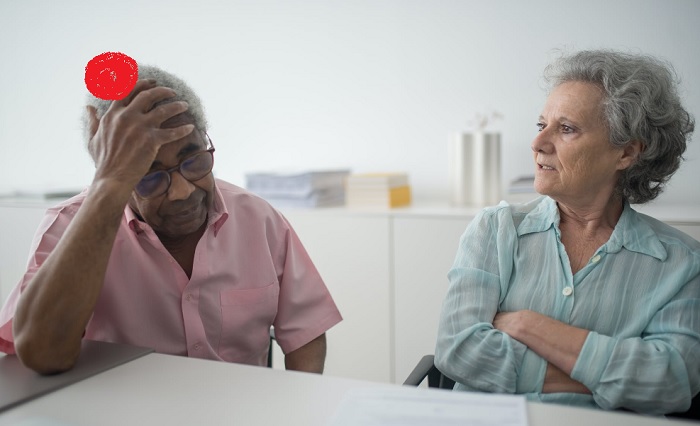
(250, 272)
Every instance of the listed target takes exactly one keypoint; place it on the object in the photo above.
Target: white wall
(365, 84)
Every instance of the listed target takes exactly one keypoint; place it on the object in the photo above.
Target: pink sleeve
(50, 230)
(306, 309)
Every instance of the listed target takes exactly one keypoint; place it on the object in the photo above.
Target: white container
(475, 169)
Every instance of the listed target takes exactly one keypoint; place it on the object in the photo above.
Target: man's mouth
(187, 211)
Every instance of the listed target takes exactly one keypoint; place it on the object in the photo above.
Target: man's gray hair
(641, 102)
(165, 79)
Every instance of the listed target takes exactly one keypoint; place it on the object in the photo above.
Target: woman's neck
(593, 218)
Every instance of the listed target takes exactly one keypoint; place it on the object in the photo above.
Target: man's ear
(630, 154)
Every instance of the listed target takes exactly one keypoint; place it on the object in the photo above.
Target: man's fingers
(140, 86)
(164, 136)
(163, 112)
(147, 100)
(151, 101)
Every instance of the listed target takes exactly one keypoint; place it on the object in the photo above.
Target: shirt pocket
(246, 317)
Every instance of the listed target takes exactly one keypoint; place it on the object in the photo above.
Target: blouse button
(596, 258)
(567, 291)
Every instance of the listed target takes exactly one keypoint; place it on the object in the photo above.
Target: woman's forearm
(558, 343)
(556, 381)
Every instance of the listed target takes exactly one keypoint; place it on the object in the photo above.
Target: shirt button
(188, 297)
(567, 291)
(596, 258)
(196, 346)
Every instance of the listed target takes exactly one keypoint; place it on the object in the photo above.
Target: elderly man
(159, 253)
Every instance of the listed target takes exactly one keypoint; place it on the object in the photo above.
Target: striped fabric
(639, 295)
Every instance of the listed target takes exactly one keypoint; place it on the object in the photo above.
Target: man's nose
(180, 188)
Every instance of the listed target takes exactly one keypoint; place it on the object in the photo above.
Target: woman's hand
(512, 323)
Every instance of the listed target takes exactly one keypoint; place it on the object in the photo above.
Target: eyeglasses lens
(153, 183)
(197, 166)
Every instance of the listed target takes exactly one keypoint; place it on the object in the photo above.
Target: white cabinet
(387, 272)
(352, 253)
(424, 250)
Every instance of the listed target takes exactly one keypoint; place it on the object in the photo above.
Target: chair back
(426, 369)
(693, 413)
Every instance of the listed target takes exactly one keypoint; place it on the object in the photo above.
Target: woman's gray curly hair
(165, 79)
(641, 102)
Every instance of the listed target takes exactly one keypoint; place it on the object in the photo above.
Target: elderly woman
(575, 297)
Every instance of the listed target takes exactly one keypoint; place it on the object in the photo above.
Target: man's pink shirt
(250, 271)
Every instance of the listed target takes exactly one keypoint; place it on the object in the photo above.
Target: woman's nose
(541, 143)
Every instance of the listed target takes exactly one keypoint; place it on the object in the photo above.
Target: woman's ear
(630, 154)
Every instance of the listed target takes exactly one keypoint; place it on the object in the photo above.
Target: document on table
(407, 406)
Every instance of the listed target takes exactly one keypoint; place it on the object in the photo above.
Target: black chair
(693, 413)
(426, 369)
(269, 351)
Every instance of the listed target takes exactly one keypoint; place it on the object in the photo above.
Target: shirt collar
(216, 218)
(635, 234)
(132, 220)
(541, 218)
(631, 231)
(219, 213)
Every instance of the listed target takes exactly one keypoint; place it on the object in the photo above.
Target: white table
(167, 390)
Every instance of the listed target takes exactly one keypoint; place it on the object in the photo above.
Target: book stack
(306, 189)
(378, 190)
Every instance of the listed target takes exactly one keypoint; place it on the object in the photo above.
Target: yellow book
(372, 197)
(400, 196)
(377, 180)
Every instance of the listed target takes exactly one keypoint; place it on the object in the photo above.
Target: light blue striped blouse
(639, 295)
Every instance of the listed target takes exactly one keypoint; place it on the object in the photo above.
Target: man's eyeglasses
(193, 167)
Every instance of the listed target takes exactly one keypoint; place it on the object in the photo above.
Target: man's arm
(57, 303)
(310, 357)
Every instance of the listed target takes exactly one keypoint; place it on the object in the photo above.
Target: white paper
(408, 406)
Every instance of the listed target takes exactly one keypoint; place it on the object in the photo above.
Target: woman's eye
(567, 129)
(540, 127)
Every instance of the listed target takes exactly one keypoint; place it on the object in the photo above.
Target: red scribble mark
(111, 75)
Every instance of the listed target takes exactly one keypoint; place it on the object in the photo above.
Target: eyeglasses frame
(177, 168)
